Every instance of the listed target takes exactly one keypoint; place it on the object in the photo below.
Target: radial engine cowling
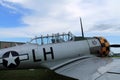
(104, 48)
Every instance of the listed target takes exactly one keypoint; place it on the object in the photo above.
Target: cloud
(62, 16)
(105, 27)
(6, 4)
(14, 7)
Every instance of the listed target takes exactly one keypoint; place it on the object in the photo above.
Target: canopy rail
(54, 38)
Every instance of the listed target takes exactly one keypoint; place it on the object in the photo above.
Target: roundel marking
(94, 42)
(11, 59)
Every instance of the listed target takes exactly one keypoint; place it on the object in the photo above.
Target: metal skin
(37, 56)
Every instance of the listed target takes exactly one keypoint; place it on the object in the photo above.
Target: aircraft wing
(91, 68)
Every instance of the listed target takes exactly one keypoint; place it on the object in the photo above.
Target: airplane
(78, 57)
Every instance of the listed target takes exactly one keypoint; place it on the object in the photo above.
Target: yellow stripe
(103, 49)
(107, 44)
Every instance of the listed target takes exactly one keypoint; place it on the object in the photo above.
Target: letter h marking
(46, 53)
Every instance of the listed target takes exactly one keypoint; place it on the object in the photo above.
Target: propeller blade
(81, 27)
(115, 45)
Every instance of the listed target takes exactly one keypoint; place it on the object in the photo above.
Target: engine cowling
(104, 48)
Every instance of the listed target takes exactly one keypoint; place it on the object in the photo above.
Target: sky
(21, 20)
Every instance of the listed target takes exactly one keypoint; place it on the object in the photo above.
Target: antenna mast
(81, 27)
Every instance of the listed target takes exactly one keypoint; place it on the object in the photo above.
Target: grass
(38, 74)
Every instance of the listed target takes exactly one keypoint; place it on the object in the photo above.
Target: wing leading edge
(109, 72)
(92, 68)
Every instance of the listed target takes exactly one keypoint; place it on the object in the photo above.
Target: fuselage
(34, 55)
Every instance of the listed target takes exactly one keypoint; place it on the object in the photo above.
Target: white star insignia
(11, 59)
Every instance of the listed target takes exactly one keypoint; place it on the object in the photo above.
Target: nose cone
(105, 47)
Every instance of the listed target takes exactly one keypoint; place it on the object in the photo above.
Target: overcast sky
(21, 19)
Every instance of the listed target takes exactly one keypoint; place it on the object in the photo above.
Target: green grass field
(38, 74)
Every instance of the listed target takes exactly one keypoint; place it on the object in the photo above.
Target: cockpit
(54, 38)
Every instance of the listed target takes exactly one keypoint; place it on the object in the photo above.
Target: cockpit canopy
(54, 38)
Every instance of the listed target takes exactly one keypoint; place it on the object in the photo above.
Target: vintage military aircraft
(83, 58)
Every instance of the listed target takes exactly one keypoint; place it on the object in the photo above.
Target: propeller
(115, 45)
(81, 27)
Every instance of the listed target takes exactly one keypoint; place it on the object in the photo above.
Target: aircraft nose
(105, 47)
